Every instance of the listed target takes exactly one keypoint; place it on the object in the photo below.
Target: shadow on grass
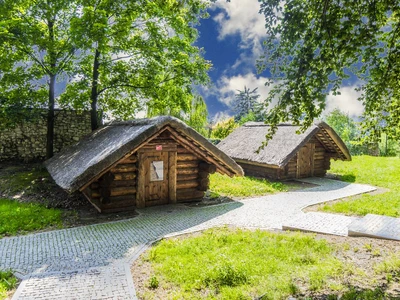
(357, 293)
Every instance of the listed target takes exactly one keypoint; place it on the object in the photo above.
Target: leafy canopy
(313, 46)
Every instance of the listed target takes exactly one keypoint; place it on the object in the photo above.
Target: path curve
(92, 262)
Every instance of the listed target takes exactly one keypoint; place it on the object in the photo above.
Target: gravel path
(92, 262)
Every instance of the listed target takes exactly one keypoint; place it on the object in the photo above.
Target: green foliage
(7, 282)
(16, 218)
(198, 115)
(13, 183)
(388, 146)
(223, 128)
(135, 55)
(378, 171)
(313, 46)
(153, 282)
(243, 186)
(242, 264)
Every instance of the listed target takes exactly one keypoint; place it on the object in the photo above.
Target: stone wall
(27, 140)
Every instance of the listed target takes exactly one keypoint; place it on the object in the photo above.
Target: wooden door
(305, 161)
(154, 175)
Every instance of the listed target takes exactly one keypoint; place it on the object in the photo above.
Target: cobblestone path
(92, 262)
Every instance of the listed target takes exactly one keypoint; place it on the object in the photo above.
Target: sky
(232, 40)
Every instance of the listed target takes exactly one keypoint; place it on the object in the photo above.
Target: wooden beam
(172, 176)
(140, 194)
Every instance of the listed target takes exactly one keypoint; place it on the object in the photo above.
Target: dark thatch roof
(243, 143)
(78, 164)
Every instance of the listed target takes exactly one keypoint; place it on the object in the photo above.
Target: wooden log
(207, 167)
(95, 194)
(187, 184)
(186, 157)
(124, 190)
(124, 168)
(129, 160)
(124, 176)
(140, 195)
(203, 184)
(118, 183)
(94, 185)
(172, 176)
(124, 199)
(186, 177)
(181, 150)
(187, 194)
(203, 174)
(188, 164)
(187, 171)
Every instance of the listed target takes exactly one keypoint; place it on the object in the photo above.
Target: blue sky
(232, 39)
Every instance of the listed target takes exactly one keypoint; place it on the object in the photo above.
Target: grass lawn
(378, 171)
(225, 263)
(7, 283)
(243, 186)
(16, 217)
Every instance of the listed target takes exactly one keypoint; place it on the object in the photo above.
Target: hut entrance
(305, 161)
(154, 170)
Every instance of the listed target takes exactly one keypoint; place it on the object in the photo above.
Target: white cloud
(220, 116)
(241, 17)
(347, 102)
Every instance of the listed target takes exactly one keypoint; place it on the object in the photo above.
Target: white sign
(157, 171)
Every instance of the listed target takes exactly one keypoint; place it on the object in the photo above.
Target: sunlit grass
(7, 283)
(377, 171)
(18, 217)
(243, 186)
(242, 264)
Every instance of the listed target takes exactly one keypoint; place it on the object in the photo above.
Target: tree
(198, 115)
(137, 54)
(246, 102)
(313, 46)
(35, 49)
(223, 128)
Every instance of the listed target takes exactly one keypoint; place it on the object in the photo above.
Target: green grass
(242, 264)
(7, 283)
(243, 186)
(16, 218)
(377, 171)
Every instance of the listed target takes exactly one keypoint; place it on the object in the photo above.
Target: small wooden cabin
(140, 163)
(288, 154)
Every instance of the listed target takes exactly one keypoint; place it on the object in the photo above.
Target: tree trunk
(94, 94)
(51, 103)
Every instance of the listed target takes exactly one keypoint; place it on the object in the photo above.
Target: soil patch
(360, 254)
(32, 183)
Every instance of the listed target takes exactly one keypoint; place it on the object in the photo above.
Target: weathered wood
(124, 168)
(181, 150)
(95, 185)
(187, 171)
(187, 184)
(129, 160)
(124, 190)
(172, 182)
(140, 194)
(188, 164)
(125, 176)
(187, 194)
(203, 184)
(153, 147)
(207, 167)
(186, 157)
(119, 183)
(186, 177)
(95, 194)
(124, 199)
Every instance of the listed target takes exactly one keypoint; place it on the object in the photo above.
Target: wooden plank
(118, 183)
(207, 167)
(124, 190)
(129, 160)
(186, 177)
(125, 176)
(187, 194)
(187, 171)
(124, 168)
(140, 194)
(186, 157)
(203, 184)
(188, 164)
(172, 180)
(122, 200)
(187, 184)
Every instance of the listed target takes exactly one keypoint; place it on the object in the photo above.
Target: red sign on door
(159, 147)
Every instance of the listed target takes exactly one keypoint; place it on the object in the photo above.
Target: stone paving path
(92, 262)
(376, 226)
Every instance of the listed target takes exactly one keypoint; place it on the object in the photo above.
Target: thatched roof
(243, 143)
(78, 164)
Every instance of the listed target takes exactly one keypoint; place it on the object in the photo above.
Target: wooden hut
(140, 163)
(288, 154)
